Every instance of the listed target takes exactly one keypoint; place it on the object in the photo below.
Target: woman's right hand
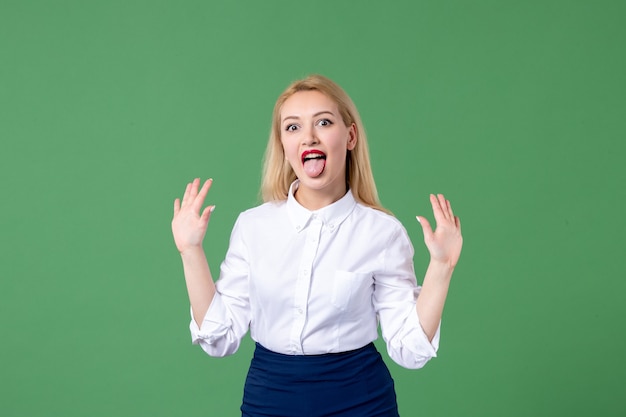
(188, 225)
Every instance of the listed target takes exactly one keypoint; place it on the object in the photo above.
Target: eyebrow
(319, 113)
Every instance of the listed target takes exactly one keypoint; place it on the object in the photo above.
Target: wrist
(442, 264)
(191, 251)
(440, 269)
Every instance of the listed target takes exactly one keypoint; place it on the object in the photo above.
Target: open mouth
(314, 162)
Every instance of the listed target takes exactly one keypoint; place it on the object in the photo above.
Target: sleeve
(228, 318)
(395, 297)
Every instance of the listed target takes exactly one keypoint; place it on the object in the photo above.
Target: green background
(515, 110)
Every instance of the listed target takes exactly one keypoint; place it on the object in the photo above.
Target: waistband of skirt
(263, 351)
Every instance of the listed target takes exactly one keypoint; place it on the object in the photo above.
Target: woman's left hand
(445, 243)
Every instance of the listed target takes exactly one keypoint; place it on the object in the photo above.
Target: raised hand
(445, 243)
(189, 225)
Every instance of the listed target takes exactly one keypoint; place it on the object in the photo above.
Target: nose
(308, 137)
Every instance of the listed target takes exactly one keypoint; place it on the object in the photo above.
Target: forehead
(304, 103)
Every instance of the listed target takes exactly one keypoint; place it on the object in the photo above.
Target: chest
(320, 264)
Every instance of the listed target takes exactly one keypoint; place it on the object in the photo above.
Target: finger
(457, 222)
(186, 195)
(426, 228)
(176, 206)
(206, 214)
(194, 188)
(450, 212)
(199, 200)
(444, 205)
(437, 208)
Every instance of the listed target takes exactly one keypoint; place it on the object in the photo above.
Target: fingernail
(212, 208)
(418, 219)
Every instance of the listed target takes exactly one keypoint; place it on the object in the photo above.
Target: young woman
(314, 270)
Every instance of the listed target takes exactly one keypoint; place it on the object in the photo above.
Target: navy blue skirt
(354, 383)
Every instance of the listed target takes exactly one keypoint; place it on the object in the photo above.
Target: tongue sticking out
(314, 167)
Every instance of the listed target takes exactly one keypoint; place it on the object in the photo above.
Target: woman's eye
(324, 122)
(291, 128)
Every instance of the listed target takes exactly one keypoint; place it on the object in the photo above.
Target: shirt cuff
(412, 349)
(420, 337)
(213, 326)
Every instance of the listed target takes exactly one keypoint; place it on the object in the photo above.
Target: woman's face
(316, 140)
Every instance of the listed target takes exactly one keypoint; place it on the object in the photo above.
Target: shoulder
(378, 222)
(259, 226)
(385, 232)
(262, 214)
(366, 213)
(271, 208)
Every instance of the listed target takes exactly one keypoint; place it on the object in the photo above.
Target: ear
(352, 137)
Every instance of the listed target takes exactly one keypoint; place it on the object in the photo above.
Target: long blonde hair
(278, 174)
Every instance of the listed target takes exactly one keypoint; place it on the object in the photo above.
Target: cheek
(290, 153)
(340, 146)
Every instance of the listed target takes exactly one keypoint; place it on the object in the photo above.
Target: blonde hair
(278, 174)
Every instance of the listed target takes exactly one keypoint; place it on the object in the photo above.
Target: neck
(312, 199)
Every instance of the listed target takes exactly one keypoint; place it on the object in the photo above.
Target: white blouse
(313, 282)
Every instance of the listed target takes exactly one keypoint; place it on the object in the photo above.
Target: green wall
(515, 110)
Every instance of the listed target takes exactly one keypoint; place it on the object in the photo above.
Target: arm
(444, 245)
(189, 228)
